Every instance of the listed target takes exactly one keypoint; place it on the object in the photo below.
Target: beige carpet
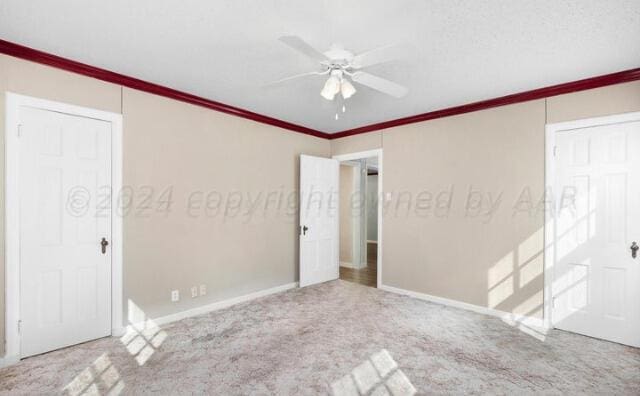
(337, 337)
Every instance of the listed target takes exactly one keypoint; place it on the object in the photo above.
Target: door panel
(65, 280)
(319, 214)
(596, 282)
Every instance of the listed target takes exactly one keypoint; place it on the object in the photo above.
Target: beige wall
(474, 248)
(192, 150)
(490, 258)
(356, 143)
(346, 214)
(173, 145)
(615, 99)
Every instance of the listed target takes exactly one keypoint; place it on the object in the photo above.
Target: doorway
(64, 258)
(592, 275)
(360, 225)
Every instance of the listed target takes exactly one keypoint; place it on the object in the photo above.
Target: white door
(65, 276)
(318, 220)
(596, 288)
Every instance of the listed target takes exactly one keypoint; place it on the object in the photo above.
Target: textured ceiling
(457, 51)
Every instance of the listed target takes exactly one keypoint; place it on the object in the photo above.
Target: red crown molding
(554, 90)
(30, 54)
(33, 55)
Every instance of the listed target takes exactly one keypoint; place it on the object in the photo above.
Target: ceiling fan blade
(380, 84)
(283, 80)
(300, 45)
(377, 55)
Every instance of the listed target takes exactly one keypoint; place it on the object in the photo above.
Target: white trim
(163, 320)
(12, 204)
(368, 154)
(347, 264)
(358, 155)
(362, 224)
(516, 320)
(549, 225)
(117, 255)
(549, 177)
(12, 241)
(8, 360)
(594, 122)
(356, 221)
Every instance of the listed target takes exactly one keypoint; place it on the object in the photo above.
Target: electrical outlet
(194, 291)
(175, 295)
(203, 290)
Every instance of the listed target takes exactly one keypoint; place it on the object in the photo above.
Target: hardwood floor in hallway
(367, 276)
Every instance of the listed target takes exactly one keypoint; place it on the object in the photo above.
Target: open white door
(596, 276)
(318, 220)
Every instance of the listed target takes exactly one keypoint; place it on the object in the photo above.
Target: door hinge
(20, 326)
(19, 130)
(553, 302)
(555, 150)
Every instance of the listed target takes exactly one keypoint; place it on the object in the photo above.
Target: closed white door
(318, 220)
(65, 271)
(596, 287)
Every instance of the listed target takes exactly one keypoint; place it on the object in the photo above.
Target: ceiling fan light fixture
(327, 95)
(340, 63)
(331, 88)
(347, 89)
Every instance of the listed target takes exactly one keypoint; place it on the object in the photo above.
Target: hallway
(366, 276)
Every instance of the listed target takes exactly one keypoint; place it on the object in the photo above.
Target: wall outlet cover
(194, 291)
(175, 295)
(203, 290)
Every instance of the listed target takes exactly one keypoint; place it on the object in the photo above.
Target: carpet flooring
(334, 338)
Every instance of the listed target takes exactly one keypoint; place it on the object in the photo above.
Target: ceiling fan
(341, 66)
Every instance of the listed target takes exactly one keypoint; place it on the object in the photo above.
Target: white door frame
(552, 198)
(356, 248)
(368, 154)
(12, 205)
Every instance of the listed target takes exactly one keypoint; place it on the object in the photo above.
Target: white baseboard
(347, 264)
(516, 320)
(118, 331)
(8, 361)
(162, 320)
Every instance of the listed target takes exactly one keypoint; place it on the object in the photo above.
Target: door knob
(104, 243)
(634, 249)
(304, 230)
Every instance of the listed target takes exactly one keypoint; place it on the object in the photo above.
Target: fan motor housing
(339, 56)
